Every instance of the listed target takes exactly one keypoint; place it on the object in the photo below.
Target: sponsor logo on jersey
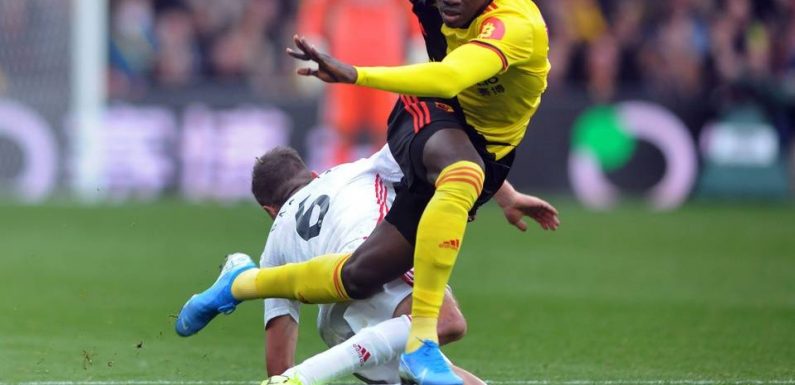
(492, 28)
(444, 107)
(364, 355)
(451, 244)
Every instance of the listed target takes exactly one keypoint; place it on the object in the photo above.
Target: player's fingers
(296, 54)
(302, 44)
(550, 216)
(307, 72)
(521, 225)
(540, 217)
(307, 48)
(547, 210)
(546, 222)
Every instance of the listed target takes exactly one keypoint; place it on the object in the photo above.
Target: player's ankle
(422, 329)
(245, 285)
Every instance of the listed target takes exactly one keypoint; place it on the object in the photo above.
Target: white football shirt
(332, 214)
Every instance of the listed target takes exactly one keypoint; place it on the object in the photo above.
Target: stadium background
(128, 128)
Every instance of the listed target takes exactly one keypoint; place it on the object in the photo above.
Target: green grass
(707, 292)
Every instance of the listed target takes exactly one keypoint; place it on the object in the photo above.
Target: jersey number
(303, 218)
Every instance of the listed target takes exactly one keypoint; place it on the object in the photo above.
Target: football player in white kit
(334, 212)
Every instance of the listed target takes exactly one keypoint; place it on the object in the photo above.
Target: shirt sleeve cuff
(276, 312)
(361, 76)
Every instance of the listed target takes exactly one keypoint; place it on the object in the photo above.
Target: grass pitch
(705, 293)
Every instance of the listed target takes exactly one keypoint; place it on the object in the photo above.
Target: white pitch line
(495, 382)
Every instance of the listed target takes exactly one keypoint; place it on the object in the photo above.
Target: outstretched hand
(330, 70)
(526, 205)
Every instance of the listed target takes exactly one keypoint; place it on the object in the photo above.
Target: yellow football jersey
(500, 108)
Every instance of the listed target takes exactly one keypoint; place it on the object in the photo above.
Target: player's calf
(451, 328)
(452, 324)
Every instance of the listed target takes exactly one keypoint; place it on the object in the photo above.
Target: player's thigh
(339, 321)
(426, 135)
(384, 256)
(445, 147)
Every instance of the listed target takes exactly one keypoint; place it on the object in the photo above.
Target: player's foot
(282, 380)
(427, 366)
(203, 307)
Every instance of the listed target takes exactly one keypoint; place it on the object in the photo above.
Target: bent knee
(358, 282)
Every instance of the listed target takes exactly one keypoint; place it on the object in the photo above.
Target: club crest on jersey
(363, 354)
(492, 28)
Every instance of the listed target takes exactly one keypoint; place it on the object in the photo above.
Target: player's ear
(271, 210)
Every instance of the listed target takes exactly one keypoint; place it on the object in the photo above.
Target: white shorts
(340, 321)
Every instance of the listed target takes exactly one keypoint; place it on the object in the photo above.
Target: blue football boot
(427, 366)
(203, 307)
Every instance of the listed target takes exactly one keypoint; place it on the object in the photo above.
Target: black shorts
(412, 122)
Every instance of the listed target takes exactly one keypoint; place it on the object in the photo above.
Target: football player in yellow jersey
(454, 136)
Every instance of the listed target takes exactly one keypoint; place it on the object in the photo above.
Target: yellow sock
(439, 236)
(318, 280)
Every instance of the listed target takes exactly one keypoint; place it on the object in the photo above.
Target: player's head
(458, 13)
(276, 175)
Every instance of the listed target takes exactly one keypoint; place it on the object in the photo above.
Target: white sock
(371, 347)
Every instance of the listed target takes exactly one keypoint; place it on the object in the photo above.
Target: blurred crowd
(672, 47)
(677, 47)
(700, 57)
(177, 43)
(690, 54)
